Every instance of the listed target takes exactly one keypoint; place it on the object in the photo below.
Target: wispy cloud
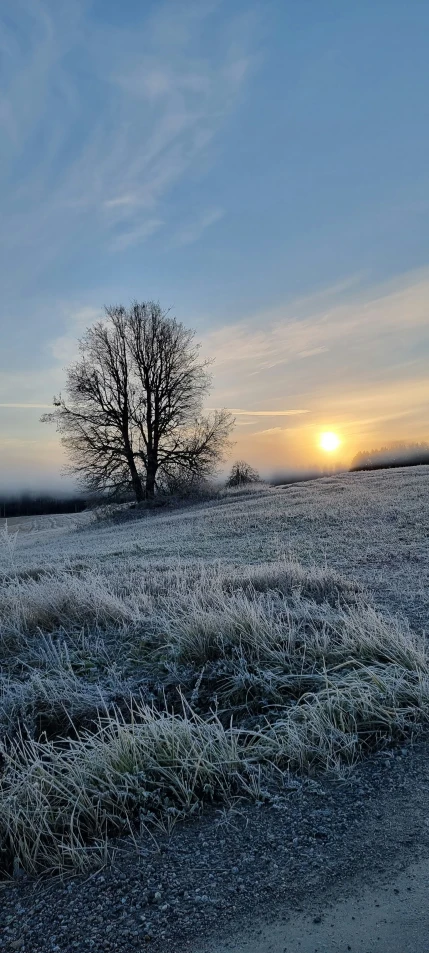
(25, 406)
(122, 201)
(193, 231)
(362, 318)
(367, 390)
(135, 235)
(267, 413)
(109, 131)
(65, 347)
(270, 430)
(312, 351)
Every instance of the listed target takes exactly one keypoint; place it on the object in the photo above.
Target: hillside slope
(199, 664)
(373, 527)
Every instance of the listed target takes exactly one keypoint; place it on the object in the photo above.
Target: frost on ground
(152, 665)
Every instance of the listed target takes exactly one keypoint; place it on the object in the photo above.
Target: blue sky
(260, 167)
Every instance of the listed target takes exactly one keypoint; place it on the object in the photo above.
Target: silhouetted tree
(132, 411)
(242, 473)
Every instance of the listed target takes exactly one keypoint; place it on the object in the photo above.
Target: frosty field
(152, 665)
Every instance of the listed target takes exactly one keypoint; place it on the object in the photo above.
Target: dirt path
(393, 918)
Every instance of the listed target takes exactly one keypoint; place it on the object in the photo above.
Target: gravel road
(314, 843)
(388, 918)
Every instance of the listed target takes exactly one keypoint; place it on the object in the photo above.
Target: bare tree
(133, 407)
(241, 474)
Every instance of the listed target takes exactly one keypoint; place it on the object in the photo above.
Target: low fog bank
(281, 477)
(394, 455)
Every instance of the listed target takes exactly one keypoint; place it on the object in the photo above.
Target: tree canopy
(131, 417)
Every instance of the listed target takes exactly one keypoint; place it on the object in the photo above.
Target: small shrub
(242, 474)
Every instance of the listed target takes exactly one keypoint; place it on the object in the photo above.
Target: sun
(329, 441)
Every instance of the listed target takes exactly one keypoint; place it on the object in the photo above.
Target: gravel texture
(309, 840)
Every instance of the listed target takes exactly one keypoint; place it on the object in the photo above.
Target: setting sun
(329, 441)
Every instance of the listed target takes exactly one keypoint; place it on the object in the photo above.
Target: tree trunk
(152, 467)
(135, 480)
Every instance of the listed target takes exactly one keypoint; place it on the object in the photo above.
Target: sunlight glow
(329, 441)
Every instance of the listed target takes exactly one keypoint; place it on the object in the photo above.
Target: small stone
(317, 918)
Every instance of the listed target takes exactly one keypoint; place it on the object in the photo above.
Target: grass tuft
(137, 695)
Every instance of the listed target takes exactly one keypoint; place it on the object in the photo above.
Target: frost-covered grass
(150, 666)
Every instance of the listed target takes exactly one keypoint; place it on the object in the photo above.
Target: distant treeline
(396, 455)
(40, 505)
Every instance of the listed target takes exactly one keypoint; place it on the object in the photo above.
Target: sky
(261, 168)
